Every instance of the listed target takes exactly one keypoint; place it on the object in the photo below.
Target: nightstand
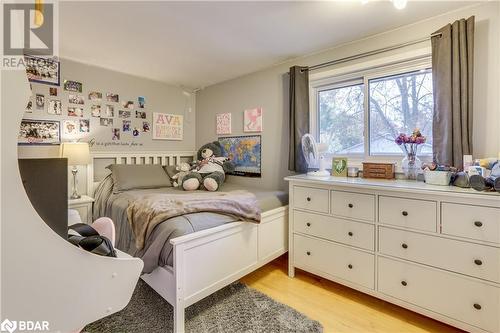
(83, 206)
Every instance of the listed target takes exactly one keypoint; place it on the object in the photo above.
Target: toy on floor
(182, 171)
(209, 170)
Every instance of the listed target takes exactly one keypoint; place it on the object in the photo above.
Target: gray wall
(268, 89)
(160, 97)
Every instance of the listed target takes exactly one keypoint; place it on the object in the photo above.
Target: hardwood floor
(336, 307)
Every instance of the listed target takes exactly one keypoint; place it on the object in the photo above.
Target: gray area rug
(236, 308)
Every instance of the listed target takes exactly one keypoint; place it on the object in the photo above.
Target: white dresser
(432, 249)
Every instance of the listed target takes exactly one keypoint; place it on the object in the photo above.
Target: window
(399, 104)
(360, 114)
(341, 118)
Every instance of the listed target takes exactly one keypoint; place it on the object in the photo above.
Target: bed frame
(207, 260)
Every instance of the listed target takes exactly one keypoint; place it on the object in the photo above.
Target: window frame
(363, 75)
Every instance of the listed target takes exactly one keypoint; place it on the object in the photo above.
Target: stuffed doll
(182, 170)
(209, 170)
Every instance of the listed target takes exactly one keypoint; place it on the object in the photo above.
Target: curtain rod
(373, 52)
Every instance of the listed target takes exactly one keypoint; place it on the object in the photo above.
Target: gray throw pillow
(138, 176)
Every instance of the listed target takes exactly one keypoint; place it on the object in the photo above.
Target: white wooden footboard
(209, 260)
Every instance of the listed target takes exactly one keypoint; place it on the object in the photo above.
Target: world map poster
(245, 153)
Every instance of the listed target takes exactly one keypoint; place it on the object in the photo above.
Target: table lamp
(77, 153)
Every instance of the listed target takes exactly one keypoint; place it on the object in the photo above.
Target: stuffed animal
(490, 183)
(182, 170)
(209, 170)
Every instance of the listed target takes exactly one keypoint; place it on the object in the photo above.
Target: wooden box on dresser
(432, 249)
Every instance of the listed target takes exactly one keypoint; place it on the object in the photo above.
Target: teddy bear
(209, 171)
(182, 170)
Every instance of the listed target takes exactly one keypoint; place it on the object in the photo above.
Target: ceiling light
(364, 2)
(399, 4)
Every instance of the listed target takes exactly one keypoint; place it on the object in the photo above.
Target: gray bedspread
(157, 250)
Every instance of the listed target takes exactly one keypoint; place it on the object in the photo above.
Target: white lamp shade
(77, 153)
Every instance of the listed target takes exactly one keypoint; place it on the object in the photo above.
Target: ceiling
(196, 44)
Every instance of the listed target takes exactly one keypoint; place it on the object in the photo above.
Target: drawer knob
(477, 306)
(350, 233)
(478, 223)
(350, 205)
(349, 266)
(405, 213)
(478, 262)
(404, 283)
(308, 253)
(404, 246)
(308, 198)
(308, 224)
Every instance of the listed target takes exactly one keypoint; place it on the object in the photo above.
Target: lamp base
(75, 196)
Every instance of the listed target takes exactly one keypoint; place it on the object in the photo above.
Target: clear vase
(411, 165)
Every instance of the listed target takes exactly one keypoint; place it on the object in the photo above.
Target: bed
(194, 255)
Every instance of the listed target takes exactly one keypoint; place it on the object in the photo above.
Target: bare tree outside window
(341, 118)
(397, 104)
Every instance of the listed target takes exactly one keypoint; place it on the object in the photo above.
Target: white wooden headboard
(148, 157)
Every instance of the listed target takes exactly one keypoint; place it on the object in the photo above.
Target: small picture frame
(339, 167)
(39, 132)
(42, 70)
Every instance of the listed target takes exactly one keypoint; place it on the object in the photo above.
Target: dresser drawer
(456, 297)
(343, 231)
(311, 199)
(353, 205)
(409, 213)
(337, 260)
(471, 259)
(474, 222)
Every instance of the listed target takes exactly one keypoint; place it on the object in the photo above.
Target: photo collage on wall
(63, 110)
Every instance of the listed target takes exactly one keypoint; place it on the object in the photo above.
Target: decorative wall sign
(252, 120)
(42, 70)
(39, 132)
(73, 86)
(223, 123)
(167, 126)
(245, 153)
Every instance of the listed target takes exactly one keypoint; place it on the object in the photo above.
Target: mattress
(157, 250)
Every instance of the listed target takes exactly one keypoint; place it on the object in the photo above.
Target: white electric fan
(314, 155)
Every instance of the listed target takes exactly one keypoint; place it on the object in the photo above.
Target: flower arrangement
(409, 144)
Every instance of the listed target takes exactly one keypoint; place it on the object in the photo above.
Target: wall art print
(252, 120)
(245, 152)
(223, 123)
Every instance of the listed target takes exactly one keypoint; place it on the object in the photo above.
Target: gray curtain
(452, 72)
(299, 117)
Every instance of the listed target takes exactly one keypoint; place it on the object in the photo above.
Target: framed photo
(245, 152)
(128, 105)
(76, 99)
(141, 101)
(168, 126)
(223, 123)
(70, 128)
(339, 167)
(55, 107)
(110, 97)
(39, 132)
(252, 120)
(42, 70)
(40, 101)
(73, 86)
(95, 96)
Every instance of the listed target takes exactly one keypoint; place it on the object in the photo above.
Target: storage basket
(437, 177)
